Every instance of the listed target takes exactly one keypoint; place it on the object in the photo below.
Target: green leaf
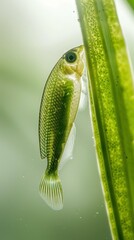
(131, 3)
(112, 105)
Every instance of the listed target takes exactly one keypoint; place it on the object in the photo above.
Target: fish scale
(58, 109)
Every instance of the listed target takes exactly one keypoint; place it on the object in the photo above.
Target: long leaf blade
(112, 103)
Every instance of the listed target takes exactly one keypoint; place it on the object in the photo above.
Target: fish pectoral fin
(84, 93)
(51, 191)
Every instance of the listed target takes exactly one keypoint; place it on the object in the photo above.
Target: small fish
(58, 109)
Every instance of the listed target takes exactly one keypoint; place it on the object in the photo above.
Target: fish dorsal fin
(68, 150)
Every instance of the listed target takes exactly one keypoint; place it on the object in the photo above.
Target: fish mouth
(81, 47)
(81, 63)
(81, 51)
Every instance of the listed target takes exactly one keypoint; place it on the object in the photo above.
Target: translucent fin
(51, 191)
(68, 151)
(84, 93)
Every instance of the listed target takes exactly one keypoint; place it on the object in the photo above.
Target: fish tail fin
(51, 191)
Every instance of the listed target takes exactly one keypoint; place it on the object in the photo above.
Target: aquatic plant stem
(112, 107)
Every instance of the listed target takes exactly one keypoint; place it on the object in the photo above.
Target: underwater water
(34, 35)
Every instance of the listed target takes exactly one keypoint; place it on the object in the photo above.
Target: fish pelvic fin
(51, 191)
(69, 146)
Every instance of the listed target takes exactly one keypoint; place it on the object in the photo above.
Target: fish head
(73, 61)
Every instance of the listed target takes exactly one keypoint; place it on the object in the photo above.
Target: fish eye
(70, 57)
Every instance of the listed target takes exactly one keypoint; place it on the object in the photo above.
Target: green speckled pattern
(112, 103)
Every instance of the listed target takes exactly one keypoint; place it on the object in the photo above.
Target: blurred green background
(33, 35)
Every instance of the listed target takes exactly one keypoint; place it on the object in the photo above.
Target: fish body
(58, 109)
